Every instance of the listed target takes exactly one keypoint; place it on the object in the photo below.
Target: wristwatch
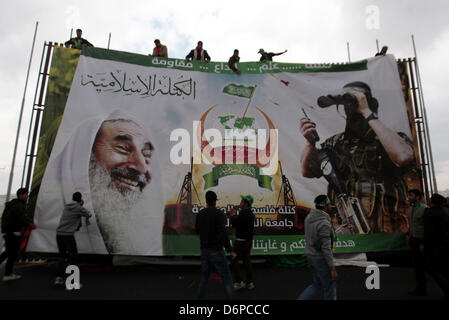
(372, 116)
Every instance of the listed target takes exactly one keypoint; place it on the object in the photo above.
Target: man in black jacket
(210, 225)
(436, 242)
(233, 60)
(244, 225)
(198, 53)
(14, 221)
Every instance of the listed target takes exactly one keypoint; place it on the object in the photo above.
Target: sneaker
(11, 277)
(59, 281)
(239, 285)
(250, 286)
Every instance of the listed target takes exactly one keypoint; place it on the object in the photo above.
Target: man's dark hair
(79, 30)
(437, 199)
(319, 200)
(157, 40)
(416, 192)
(21, 192)
(77, 196)
(211, 198)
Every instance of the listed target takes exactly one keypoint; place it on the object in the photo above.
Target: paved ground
(102, 281)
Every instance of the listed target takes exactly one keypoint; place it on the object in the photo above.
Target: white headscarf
(68, 172)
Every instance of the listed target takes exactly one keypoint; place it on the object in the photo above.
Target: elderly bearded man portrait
(113, 162)
(118, 172)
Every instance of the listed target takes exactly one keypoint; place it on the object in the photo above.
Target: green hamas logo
(245, 150)
(240, 159)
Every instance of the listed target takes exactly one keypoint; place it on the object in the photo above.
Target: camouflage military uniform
(365, 171)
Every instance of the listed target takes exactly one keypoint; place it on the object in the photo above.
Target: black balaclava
(356, 124)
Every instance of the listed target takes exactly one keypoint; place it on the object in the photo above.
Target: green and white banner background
(158, 96)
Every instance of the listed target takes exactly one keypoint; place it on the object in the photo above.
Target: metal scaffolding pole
(434, 187)
(32, 116)
(11, 175)
(38, 107)
(418, 122)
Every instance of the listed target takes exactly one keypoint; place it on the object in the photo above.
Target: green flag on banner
(224, 170)
(238, 90)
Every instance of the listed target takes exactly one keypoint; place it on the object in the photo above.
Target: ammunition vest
(365, 171)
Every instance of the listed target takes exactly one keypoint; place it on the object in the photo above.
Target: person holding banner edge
(233, 60)
(69, 223)
(268, 56)
(14, 220)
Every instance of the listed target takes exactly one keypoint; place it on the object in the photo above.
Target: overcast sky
(312, 31)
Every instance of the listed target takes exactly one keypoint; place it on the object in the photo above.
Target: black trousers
(12, 246)
(437, 262)
(419, 263)
(68, 253)
(243, 250)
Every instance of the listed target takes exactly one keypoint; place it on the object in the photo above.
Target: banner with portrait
(144, 138)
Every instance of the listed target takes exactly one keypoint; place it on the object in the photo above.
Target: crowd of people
(428, 238)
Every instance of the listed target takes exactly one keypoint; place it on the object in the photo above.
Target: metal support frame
(433, 181)
(11, 175)
(38, 108)
(425, 160)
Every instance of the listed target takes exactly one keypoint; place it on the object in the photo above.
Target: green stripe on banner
(220, 67)
(186, 245)
(224, 170)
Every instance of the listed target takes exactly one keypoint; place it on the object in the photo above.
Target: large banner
(143, 139)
